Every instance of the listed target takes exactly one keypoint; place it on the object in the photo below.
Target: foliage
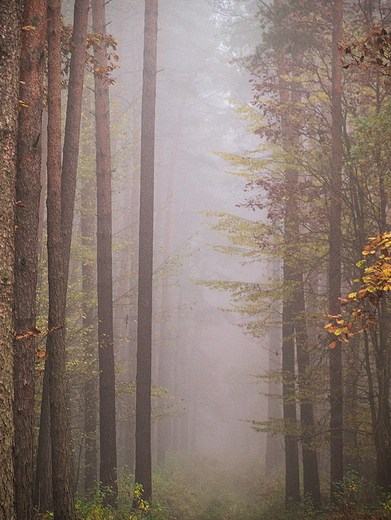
(374, 51)
(363, 303)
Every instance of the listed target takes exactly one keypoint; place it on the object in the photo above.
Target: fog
(201, 356)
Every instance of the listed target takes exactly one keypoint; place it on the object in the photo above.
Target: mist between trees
(195, 243)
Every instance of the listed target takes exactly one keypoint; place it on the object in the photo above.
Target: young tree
(10, 48)
(108, 448)
(28, 187)
(143, 469)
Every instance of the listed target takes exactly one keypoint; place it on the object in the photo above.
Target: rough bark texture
(43, 489)
(62, 489)
(108, 444)
(143, 469)
(10, 43)
(336, 409)
(28, 187)
(72, 126)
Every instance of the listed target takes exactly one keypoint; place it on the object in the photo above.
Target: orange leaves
(375, 282)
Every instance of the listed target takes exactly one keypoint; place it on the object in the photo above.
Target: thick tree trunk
(143, 470)
(336, 407)
(62, 488)
(28, 187)
(108, 444)
(10, 44)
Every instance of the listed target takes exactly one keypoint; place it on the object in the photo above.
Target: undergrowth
(203, 489)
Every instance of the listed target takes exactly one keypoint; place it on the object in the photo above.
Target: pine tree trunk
(61, 475)
(108, 449)
(43, 489)
(143, 469)
(28, 187)
(72, 127)
(10, 46)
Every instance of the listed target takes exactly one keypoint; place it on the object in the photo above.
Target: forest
(195, 264)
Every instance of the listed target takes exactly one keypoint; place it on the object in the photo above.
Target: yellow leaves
(29, 28)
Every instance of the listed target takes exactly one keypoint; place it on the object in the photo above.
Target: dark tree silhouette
(143, 467)
(108, 448)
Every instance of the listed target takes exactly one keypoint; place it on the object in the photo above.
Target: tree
(28, 187)
(334, 273)
(143, 469)
(61, 474)
(10, 48)
(108, 448)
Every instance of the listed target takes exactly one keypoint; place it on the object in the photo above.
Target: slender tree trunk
(62, 488)
(90, 385)
(108, 449)
(311, 482)
(72, 128)
(382, 425)
(336, 400)
(143, 470)
(292, 479)
(43, 489)
(10, 46)
(28, 186)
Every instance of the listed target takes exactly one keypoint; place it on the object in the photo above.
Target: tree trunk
(43, 489)
(143, 469)
(62, 488)
(311, 483)
(28, 186)
(90, 385)
(292, 479)
(72, 127)
(10, 14)
(336, 404)
(382, 425)
(108, 449)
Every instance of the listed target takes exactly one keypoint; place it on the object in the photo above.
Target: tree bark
(143, 469)
(90, 384)
(10, 48)
(43, 488)
(28, 187)
(107, 417)
(72, 127)
(61, 475)
(336, 399)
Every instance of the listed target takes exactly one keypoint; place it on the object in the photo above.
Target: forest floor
(200, 488)
(204, 489)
